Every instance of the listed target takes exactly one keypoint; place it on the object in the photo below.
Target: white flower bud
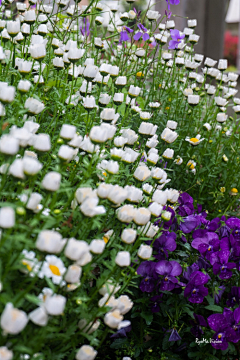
(7, 217)
(113, 318)
(145, 252)
(73, 274)
(50, 241)
(52, 181)
(38, 316)
(97, 246)
(31, 166)
(13, 321)
(33, 201)
(142, 216)
(86, 352)
(124, 304)
(5, 354)
(128, 236)
(123, 258)
(75, 249)
(55, 304)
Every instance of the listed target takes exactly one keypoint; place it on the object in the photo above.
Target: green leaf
(210, 300)
(148, 317)
(33, 299)
(214, 308)
(141, 102)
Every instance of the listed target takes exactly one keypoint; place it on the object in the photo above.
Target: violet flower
(156, 300)
(219, 260)
(232, 245)
(147, 270)
(189, 224)
(233, 319)
(234, 297)
(169, 270)
(186, 205)
(168, 14)
(124, 33)
(143, 33)
(85, 27)
(223, 332)
(198, 323)
(174, 335)
(176, 39)
(207, 244)
(121, 333)
(172, 2)
(195, 290)
(137, 12)
(165, 243)
(218, 294)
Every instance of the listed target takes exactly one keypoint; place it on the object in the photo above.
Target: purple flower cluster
(215, 249)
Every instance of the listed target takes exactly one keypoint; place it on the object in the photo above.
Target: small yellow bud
(222, 189)
(57, 211)
(20, 211)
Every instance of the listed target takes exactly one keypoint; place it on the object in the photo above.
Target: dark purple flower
(168, 270)
(147, 270)
(195, 290)
(174, 335)
(189, 224)
(142, 33)
(198, 323)
(233, 223)
(234, 297)
(176, 39)
(172, 2)
(156, 300)
(203, 264)
(121, 333)
(189, 270)
(214, 224)
(219, 260)
(233, 319)
(223, 332)
(165, 243)
(206, 244)
(124, 33)
(186, 205)
(232, 245)
(85, 27)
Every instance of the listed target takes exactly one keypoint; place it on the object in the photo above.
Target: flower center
(55, 270)
(105, 239)
(234, 190)
(146, 279)
(209, 248)
(25, 263)
(195, 140)
(219, 336)
(166, 278)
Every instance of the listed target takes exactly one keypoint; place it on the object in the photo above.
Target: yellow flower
(222, 189)
(139, 74)
(233, 191)
(210, 141)
(160, 85)
(167, 108)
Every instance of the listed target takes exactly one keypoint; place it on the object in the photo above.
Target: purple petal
(163, 267)
(145, 37)
(137, 36)
(176, 268)
(217, 322)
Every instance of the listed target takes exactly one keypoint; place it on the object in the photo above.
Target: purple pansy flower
(85, 27)
(223, 332)
(198, 323)
(234, 297)
(172, 2)
(233, 319)
(174, 335)
(124, 33)
(189, 224)
(207, 244)
(195, 290)
(147, 270)
(176, 39)
(214, 224)
(186, 205)
(168, 270)
(219, 260)
(168, 14)
(165, 243)
(142, 33)
(156, 300)
(232, 245)
(121, 333)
